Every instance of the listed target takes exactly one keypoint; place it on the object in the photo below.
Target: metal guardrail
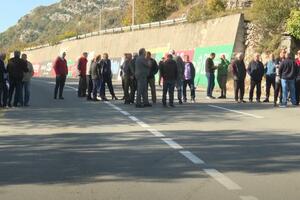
(119, 30)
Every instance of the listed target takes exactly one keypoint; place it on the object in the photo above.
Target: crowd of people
(139, 72)
(15, 80)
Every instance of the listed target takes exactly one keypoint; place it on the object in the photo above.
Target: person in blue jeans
(25, 92)
(288, 73)
(210, 74)
(169, 73)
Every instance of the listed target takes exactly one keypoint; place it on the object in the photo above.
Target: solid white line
(222, 179)
(239, 112)
(192, 157)
(248, 198)
(156, 133)
(172, 143)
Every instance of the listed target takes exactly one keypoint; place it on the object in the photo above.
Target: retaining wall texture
(221, 35)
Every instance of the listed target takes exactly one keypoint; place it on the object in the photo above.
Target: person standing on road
(95, 71)
(82, 66)
(278, 88)
(89, 81)
(256, 73)
(298, 79)
(61, 70)
(106, 77)
(169, 73)
(180, 78)
(288, 74)
(127, 78)
(151, 76)
(142, 70)
(133, 80)
(270, 72)
(189, 76)
(222, 75)
(210, 74)
(26, 82)
(239, 75)
(16, 68)
(3, 80)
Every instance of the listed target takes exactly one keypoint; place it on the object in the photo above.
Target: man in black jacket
(189, 76)
(169, 73)
(3, 86)
(210, 74)
(239, 75)
(106, 77)
(288, 73)
(127, 78)
(256, 72)
(133, 80)
(151, 77)
(16, 68)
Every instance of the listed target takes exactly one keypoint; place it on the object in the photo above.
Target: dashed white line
(172, 143)
(125, 113)
(239, 112)
(143, 124)
(156, 133)
(248, 198)
(222, 179)
(192, 157)
(133, 118)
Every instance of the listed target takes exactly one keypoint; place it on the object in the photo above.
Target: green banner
(200, 56)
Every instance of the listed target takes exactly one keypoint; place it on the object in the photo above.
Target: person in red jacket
(82, 86)
(61, 72)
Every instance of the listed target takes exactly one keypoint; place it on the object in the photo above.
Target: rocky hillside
(68, 18)
(64, 19)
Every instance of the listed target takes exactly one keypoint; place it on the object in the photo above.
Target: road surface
(211, 150)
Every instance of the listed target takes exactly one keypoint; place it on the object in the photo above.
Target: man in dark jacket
(61, 71)
(189, 76)
(298, 78)
(3, 86)
(210, 74)
(288, 73)
(151, 77)
(169, 73)
(133, 80)
(82, 66)
(127, 75)
(180, 70)
(96, 76)
(239, 75)
(256, 73)
(106, 77)
(16, 68)
(222, 75)
(142, 69)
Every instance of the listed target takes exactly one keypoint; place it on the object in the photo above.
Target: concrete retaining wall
(222, 35)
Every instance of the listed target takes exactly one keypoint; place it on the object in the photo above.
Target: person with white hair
(26, 82)
(239, 75)
(61, 71)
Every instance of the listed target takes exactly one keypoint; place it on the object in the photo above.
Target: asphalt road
(211, 150)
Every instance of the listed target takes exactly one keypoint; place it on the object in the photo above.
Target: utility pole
(133, 12)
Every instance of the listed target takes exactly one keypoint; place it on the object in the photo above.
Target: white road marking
(239, 112)
(222, 179)
(192, 157)
(248, 198)
(156, 133)
(133, 118)
(143, 124)
(172, 143)
(125, 113)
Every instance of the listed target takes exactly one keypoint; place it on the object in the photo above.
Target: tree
(293, 24)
